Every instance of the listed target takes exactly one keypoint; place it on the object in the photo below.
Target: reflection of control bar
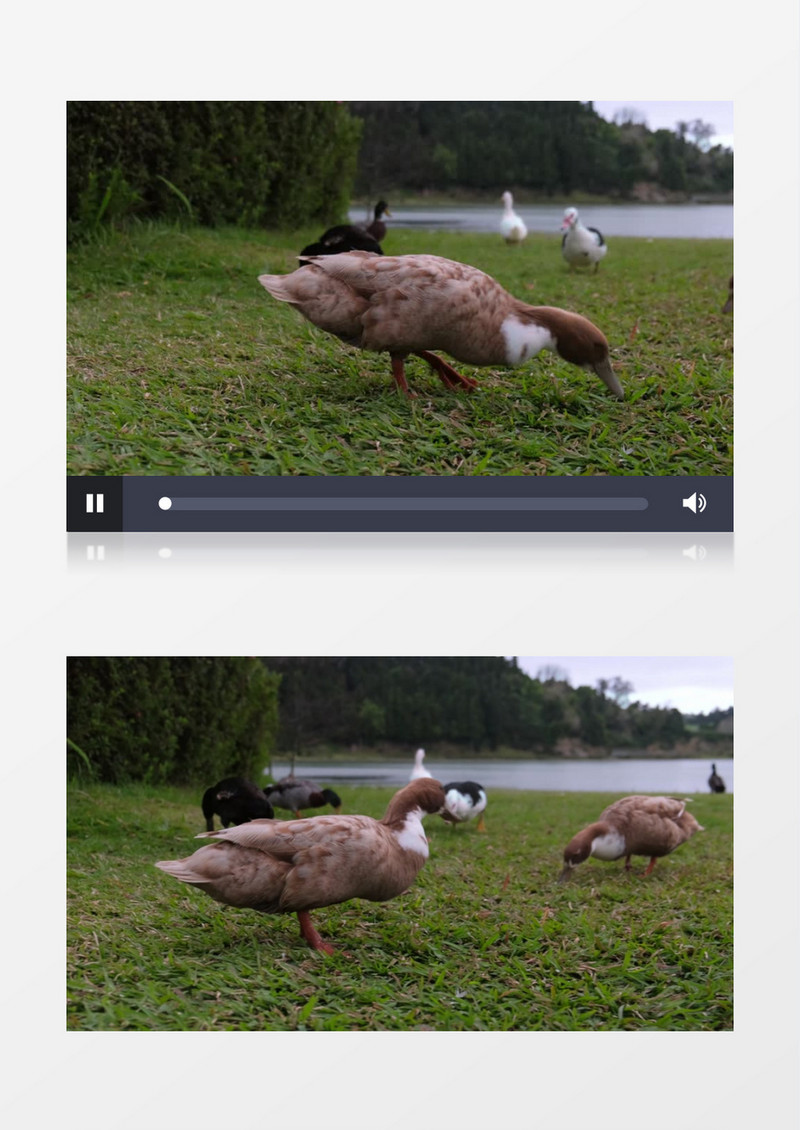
(422, 503)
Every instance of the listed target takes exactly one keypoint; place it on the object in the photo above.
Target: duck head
(570, 219)
(578, 341)
(333, 799)
(577, 851)
(598, 839)
(424, 796)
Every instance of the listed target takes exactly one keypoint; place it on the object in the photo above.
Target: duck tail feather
(277, 286)
(178, 869)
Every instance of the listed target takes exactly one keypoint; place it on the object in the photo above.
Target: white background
(404, 593)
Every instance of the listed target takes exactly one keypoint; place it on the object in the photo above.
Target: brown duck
(294, 866)
(635, 825)
(404, 304)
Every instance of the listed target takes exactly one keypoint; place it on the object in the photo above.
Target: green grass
(180, 363)
(485, 939)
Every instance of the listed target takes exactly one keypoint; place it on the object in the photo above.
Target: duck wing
(651, 825)
(341, 232)
(284, 839)
(660, 807)
(418, 302)
(345, 237)
(333, 858)
(369, 275)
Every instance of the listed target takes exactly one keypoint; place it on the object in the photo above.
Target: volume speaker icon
(696, 503)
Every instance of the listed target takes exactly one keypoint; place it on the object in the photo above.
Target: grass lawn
(485, 939)
(181, 363)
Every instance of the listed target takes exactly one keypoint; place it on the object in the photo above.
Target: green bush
(263, 164)
(169, 720)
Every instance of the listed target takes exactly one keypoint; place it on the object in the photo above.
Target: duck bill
(608, 377)
(565, 874)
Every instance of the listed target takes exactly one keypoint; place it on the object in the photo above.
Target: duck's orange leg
(627, 863)
(481, 825)
(311, 935)
(450, 376)
(399, 374)
(650, 865)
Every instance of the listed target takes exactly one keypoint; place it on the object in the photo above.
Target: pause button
(94, 504)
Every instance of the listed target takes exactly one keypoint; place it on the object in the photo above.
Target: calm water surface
(615, 775)
(673, 221)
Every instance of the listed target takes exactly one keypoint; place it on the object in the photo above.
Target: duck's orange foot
(311, 935)
(450, 376)
(399, 374)
(650, 865)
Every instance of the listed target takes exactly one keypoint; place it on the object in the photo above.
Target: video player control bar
(419, 503)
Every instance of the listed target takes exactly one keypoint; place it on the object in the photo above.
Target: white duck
(512, 228)
(419, 771)
(293, 866)
(414, 303)
(581, 246)
(464, 800)
(635, 825)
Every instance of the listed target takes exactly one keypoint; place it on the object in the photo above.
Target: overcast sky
(693, 684)
(664, 115)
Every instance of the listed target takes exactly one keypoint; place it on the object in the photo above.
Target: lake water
(654, 221)
(613, 775)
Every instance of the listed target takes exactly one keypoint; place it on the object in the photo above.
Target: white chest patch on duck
(411, 836)
(609, 846)
(524, 340)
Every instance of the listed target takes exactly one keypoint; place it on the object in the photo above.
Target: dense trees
(714, 722)
(477, 704)
(169, 720)
(546, 148)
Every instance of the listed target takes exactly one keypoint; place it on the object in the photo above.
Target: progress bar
(296, 503)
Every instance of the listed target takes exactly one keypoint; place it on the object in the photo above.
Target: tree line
(476, 704)
(543, 148)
